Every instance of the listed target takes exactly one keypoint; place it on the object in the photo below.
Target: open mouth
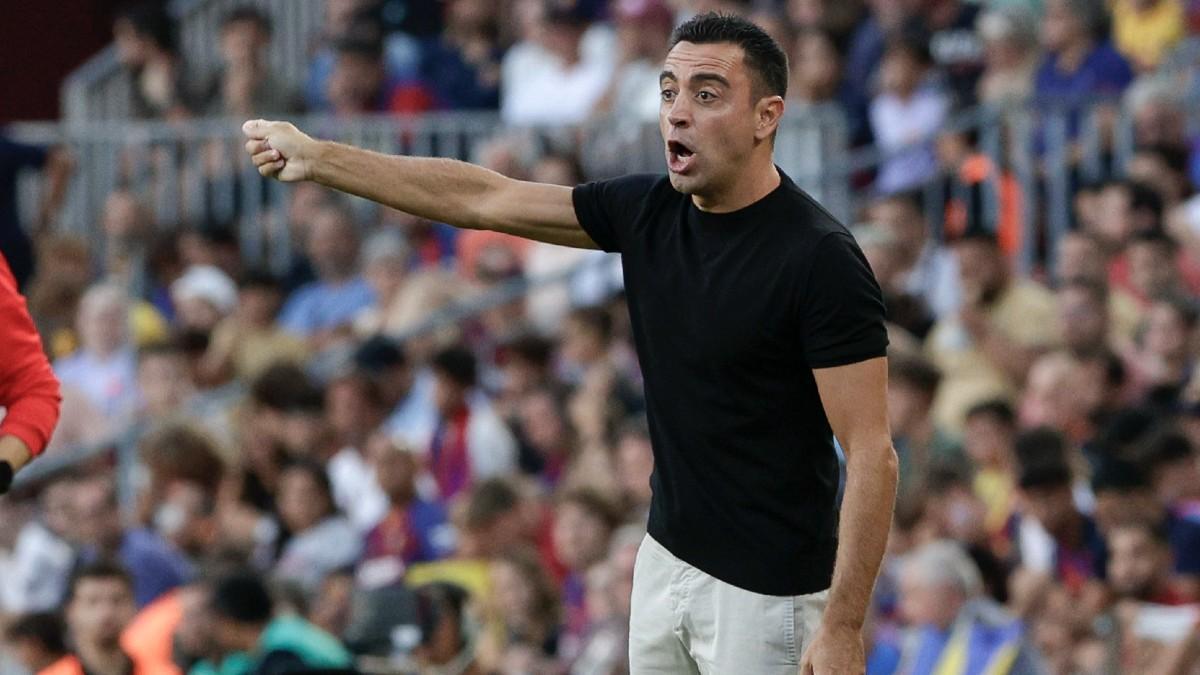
(679, 157)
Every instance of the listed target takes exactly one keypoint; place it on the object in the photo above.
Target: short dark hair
(260, 278)
(285, 387)
(103, 569)
(45, 628)
(1050, 473)
(595, 503)
(595, 319)
(456, 363)
(151, 20)
(997, 408)
(488, 500)
(915, 371)
(248, 14)
(242, 597)
(1119, 475)
(320, 477)
(1039, 446)
(764, 57)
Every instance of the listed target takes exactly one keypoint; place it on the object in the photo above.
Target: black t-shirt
(730, 313)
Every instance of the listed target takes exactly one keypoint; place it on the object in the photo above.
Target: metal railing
(100, 89)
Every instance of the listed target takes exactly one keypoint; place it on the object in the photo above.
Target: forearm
(866, 519)
(443, 190)
(453, 192)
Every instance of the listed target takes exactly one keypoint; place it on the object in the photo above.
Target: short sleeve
(606, 209)
(843, 312)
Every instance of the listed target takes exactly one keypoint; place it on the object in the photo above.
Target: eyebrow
(697, 78)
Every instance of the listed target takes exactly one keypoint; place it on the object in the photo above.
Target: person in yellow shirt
(1145, 30)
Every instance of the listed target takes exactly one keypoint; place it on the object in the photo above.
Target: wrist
(316, 160)
(14, 451)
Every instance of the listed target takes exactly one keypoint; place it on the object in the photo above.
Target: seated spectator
(1077, 66)
(247, 342)
(643, 30)
(941, 598)
(1081, 256)
(1086, 324)
(905, 115)
(244, 84)
(989, 437)
(1154, 269)
(1139, 564)
(36, 640)
(353, 407)
(357, 84)
(1010, 55)
(39, 565)
(1162, 358)
(447, 641)
(99, 606)
(460, 68)
(920, 443)
(523, 609)
(1145, 30)
(104, 369)
(406, 392)
(489, 520)
(469, 441)
(955, 45)
(164, 383)
(1002, 325)
(817, 80)
(583, 525)
(148, 50)
(202, 298)
(546, 442)
(559, 84)
(413, 530)
(929, 269)
(319, 541)
(247, 631)
(634, 465)
(386, 259)
(154, 566)
(324, 309)
(1051, 536)
(1170, 460)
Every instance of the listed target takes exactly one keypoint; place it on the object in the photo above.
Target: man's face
(164, 381)
(333, 244)
(925, 604)
(240, 43)
(1085, 320)
(987, 440)
(1080, 258)
(395, 469)
(980, 269)
(99, 611)
(1136, 562)
(709, 116)
(1053, 507)
(95, 518)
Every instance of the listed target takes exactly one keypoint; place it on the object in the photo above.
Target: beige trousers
(686, 621)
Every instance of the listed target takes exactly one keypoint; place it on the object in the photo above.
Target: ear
(767, 112)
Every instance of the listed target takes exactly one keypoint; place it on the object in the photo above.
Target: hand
(837, 649)
(14, 454)
(280, 150)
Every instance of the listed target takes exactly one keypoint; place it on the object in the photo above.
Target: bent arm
(855, 401)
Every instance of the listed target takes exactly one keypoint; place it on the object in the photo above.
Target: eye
(668, 95)
(706, 96)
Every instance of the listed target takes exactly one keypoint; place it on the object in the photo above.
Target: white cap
(206, 282)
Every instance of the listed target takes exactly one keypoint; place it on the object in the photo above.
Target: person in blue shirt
(320, 309)
(1079, 66)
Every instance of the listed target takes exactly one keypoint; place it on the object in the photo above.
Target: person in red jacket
(29, 391)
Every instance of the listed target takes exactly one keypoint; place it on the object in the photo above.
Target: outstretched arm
(855, 401)
(443, 190)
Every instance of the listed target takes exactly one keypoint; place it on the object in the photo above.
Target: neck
(103, 660)
(748, 188)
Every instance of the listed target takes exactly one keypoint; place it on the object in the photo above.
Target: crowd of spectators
(322, 479)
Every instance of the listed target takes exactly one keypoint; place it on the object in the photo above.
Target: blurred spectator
(1145, 30)
(989, 437)
(955, 47)
(413, 530)
(469, 441)
(202, 298)
(39, 565)
(817, 80)
(554, 83)
(634, 464)
(244, 85)
(357, 84)
(1163, 355)
(643, 29)
(248, 632)
(318, 540)
(1010, 43)
(147, 47)
(386, 258)
(1139, 565)
(930, 271)
(248, 341)
(524, 610)
(584, 522)
(353, 407)
(407, 391)
(1078, 65)
(949, 619)
(104, 369)
(446, 636)
(461, 67)
(154, 566)
(323, 310)
(15, 244)
(1003, 323)
(905, 114)
(37, 640)
(100, 606)
(869, 41)
(920, 443)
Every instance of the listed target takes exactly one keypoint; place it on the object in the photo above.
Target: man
(99, 606)
(29, 391)
(760, 333)
(1139, 564)
(252, 640)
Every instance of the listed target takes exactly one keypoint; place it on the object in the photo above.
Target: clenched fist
(280, 150)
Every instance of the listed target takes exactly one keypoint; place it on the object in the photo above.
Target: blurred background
(295, 422)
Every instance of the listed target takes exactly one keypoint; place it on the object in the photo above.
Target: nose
(679, 114)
